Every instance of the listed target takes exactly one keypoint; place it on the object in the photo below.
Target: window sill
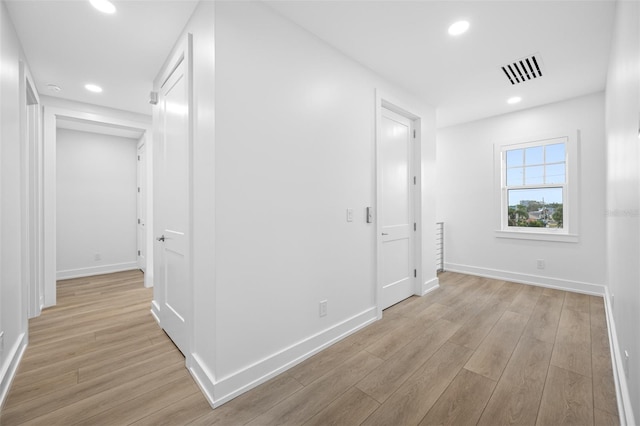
(539, 236)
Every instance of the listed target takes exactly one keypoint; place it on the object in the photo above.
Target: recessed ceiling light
(104, 6)
(514, 100)
(93, 88)
(54, 88)
(458, 28)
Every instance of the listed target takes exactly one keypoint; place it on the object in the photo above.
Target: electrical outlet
(97, 257)
(626, 363)
(323, 308)
(540, 263)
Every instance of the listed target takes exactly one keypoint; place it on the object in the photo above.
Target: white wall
(96, 207)
(293, 147)
(467, 198)
(623, 192)
(13, 304)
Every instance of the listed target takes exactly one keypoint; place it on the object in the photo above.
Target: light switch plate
(349, 215)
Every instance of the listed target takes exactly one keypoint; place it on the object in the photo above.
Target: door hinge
(138, 189)
(138, 221)
(414, 180)
(138, 252)
(138, 158)
(415, 226)
(415, 273)
(414, 133)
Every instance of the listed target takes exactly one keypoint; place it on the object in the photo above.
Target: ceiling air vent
(523, 69)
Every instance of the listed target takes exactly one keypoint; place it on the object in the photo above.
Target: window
(537, 189)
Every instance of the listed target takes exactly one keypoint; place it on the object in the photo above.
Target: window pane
(534, 175)
(540, 207)
(514, 158)
(534, 155)
(555, 153)
(515, 176)
(555, 173)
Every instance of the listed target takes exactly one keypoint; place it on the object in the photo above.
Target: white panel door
(396, 215)
(173, 203)
(142, 208)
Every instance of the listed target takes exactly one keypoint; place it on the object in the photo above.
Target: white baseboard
(155, 311)
(429, 286)
(625, 410)
(10, 366)
(96, 270)
(219, 391)
(537, 280)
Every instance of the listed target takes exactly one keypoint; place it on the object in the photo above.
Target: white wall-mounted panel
(13, 301)
(623, 202)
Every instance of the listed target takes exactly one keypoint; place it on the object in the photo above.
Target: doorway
(398, 201)
(51, 117)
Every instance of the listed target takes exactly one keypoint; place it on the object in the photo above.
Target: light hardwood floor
(476, 351)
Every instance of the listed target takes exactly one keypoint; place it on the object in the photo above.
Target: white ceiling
(68, 43)
(407, 43)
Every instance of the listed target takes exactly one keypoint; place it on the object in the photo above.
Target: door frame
(50, 116)
(383, 101)
(141, 177)
(30, 150)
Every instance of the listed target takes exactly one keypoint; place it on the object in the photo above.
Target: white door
(171, 215)
(142, 207)
(396, 222)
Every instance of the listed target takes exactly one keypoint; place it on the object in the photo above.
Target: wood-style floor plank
(306, 403)
(495, 350)
(250, 405)
(463, 401)
(381, 382)
(543, 323)
(532, 355)
(351, 408)
(177, 413)
(415, 397)
(473, 332)
(412, 328)
(572, 349)
(577, 302)
(526, 300)
(567, 399)
(516, 399)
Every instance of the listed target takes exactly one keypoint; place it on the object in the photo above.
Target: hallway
(476, 351)
(98, 357)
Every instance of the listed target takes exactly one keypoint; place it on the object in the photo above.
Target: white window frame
(569, 231)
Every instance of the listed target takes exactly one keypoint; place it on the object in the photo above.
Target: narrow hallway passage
(98, 357)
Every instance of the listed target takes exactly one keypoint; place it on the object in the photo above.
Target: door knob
(384, 233)
(160, 238)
